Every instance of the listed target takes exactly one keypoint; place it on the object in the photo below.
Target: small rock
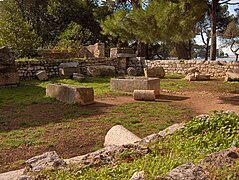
(192, 70)
(24, 177)
(138, 176)
(78, 77)
(187, 171)
(190, 77)
(119, 135)
(42, 75)
(45, 160)
(131, 71)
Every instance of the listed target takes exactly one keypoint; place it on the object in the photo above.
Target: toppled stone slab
(232, 76)
(197, 77)
(71, 94)
(144, 95)
(171, 129)
(119, 135)
(157, 72)
(67, 69)
(131, 84)
(78, 77)
(222, 158)
(107, 155)
(192, 70)
(138, 176)
(42, 75)
(46, 160)
(187, 171)
(101, 71)
(12, 175)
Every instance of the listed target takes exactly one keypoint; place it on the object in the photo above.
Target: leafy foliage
(15, 31)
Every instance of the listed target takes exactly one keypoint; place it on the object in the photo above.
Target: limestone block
(131, 84)
(154, 72)
(101, 70)
(71, 94)
(119, 135)
(68, 71)
(78, 77)
(42, 75)
(144, 95)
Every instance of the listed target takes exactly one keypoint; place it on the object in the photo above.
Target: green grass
(200, 137)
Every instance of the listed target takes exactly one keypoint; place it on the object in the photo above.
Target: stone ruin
(8, 70)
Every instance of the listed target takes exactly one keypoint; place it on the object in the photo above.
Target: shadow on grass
(26, 106)
(168, 98)
(233, 100)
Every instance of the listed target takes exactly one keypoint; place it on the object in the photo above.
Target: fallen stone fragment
(187, 171)
(144, 95)
(42, 75)
(12, 175)
(119, 135)
(171, 129)
(158, 72)
(138, 176)
(107, 155)
(46, 160)
(78, 77)
(131, 71)
(222, 158)
(101, 71)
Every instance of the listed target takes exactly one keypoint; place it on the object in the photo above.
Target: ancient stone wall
(28, 69)
(212, 68)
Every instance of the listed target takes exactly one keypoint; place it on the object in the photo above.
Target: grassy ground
(199, 138)
(33, 123)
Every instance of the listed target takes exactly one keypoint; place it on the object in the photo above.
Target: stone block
(101, 71)
(154, 72)
(42, 75)
(131, 71)
(144, 95)
(131, 84)
(119, 135)
(68, 71)
(71, 94)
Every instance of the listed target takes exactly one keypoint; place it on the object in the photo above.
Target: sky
(225, 50)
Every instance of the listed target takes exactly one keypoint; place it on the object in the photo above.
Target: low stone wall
(27, 70)
(213, 68)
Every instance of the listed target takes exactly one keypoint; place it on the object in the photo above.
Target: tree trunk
(141, 49)
(213, 16)
(207, 48)
(182, 51)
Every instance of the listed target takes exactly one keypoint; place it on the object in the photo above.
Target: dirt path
(203, 101)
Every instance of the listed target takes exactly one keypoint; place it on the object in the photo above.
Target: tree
(15, 31)
(204, 26)
(213, 4)
(232, 35)
(164, 20)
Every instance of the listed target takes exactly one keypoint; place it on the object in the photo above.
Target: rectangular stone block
(71, 94)
(129, 85)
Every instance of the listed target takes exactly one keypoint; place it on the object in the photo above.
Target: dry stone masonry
(8, 70)
(213, 68)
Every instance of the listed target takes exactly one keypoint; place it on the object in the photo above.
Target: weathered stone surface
(46, 160)
(107, 155)
(222, 158)
(187, 171)
(154, 72)
(8, 70)
(69, 65)
(121, 52)
(192, 70)
(129, 85)
(190, 77)
(78, 77)
(144, 95)
(171, 129)
(232, 76)
(71, 94)
(131, 71)
(101, 71)
(119, 135)
(42, 75)
(68, 71)
(12, 175)
(24, 177)
(138, 176)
